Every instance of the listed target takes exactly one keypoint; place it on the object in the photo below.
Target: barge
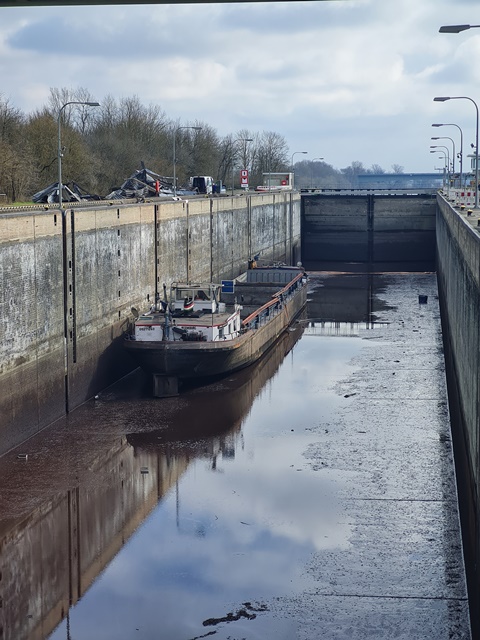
(205, 330)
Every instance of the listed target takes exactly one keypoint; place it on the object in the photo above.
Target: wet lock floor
(310, 496)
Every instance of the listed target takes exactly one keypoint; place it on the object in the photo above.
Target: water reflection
(241, 521)
(323, 328)
(90, 482)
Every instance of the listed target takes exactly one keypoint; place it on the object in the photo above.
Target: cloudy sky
(344, 80)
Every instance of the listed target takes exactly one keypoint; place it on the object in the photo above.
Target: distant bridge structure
(399, 180)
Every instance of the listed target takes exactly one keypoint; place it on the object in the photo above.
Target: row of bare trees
(102, 146)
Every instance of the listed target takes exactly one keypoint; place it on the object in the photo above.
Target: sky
(344, 80)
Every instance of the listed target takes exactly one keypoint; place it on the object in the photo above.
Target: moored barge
(205, 329)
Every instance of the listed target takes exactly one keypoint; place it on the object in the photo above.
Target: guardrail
(366, 191)
(53, 206)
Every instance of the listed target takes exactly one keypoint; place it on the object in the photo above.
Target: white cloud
(349, 79)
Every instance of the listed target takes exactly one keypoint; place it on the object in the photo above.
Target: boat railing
(273, 306)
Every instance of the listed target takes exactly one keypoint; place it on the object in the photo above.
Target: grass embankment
(16, 204)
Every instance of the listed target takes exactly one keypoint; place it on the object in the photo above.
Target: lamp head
(454, 28)
(441, 98)
(92, 104)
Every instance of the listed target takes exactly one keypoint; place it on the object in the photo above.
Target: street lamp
(294, 154)
(452, 124)
(175, 157)
(445, 168)
(444, 99)
(293, 170)
(442, 146)
(453, 145)
(59, 152)
(244, 140)
(456, 28)
(311, 173)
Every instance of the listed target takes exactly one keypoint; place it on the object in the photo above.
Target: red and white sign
(244, 177)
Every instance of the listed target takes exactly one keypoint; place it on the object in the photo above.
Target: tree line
(102, 146)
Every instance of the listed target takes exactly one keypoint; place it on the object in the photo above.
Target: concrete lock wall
(458, 268)
(382, 230)
(68, 285)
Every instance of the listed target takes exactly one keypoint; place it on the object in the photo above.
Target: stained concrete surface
(402, 575)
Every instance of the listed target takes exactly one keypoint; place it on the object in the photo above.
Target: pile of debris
(143, 184)
(71, 192)
(140, 185)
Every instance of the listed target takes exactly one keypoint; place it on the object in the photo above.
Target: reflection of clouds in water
(248, 530)
(264, 483)
(324, 358)
(276, 497)
(233, 557)
(303, 385)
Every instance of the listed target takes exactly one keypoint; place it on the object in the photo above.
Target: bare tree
(123, 135)
(271, 154)
(197, 150)
(351, 172)
(15, 160)
(226, 159)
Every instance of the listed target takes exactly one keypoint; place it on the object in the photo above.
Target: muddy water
(282, 502)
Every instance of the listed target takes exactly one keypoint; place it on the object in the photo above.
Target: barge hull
(169, 362)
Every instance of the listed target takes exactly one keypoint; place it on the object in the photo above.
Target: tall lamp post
(59, 151)
(444, 166)
(293, 170)
(442, 146)
(311, 173)
(444, 99)
(452, 124)
(447, 160)
(453, 145)
(175, 156)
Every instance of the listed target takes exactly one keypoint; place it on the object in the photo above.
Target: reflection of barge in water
(198, 335)
(198, 431)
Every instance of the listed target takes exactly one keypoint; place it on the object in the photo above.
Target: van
(202, 184)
